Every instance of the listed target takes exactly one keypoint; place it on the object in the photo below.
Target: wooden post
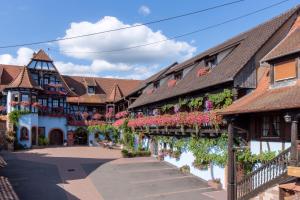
(231, 181)
(294, 138)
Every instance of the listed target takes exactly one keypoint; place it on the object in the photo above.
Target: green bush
(131, 154)
(43, 141)
(185, 169)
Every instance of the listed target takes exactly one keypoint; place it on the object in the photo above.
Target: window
(15, 97)
(285, 70)
(24, 133)
(178, 76)
(55, 103)
(43, 102)
(91, 89)
(156, 84)
(33, 98)
(46, 80)
(25, 97)
(271, 126)
(211, 61)
(35, 77)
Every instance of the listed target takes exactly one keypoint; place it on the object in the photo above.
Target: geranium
(156, 112)
(14, 103)
(97, 116)
(122, 114)
(202, 71)
(36, 105)
(176, 108)
(171, 83)
(182, 118)
(150, 91)
(118, 122)
(25, 103)
(2, 108)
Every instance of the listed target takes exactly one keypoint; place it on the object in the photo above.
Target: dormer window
(156, 84)
(91, 89)
(211, 61)
(178, 76)
(284, 70)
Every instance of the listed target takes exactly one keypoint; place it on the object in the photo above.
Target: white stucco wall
(274, 146)
(28, 121)
(51, 123)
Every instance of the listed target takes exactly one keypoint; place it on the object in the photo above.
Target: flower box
(202, 71)
(171, 83)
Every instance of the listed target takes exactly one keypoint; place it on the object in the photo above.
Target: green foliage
(167, 108)
(128, 135)
(221, 99)
(195, 103)
(131, 154)
(183, 103)
(106, 130)
(247, 160)
(43, 141)
(15, 115)
(185, 169)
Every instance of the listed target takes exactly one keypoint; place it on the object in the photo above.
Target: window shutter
(285, 70)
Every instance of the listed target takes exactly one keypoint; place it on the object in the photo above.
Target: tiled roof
(246, 45)
(24, 80)
(104, 88)
(289, 45)
(41, 55)
(264, 98)
(115, 94)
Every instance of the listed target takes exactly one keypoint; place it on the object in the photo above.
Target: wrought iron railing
(263, 177)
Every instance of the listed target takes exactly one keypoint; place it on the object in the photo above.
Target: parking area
(97, 173)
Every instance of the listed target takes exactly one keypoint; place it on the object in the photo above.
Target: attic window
(211, 61)
(178, 76)
(91, 89)
(156, 84)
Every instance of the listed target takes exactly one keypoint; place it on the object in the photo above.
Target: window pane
(25, 97)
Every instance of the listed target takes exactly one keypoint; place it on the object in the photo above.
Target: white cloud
(23, 57)
(144, 10)
(169, 51)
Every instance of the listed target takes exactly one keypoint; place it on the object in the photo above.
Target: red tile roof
(246, 45)
(24, 80)
(41, 55)
(264, 98)
(289, 45)
(116, 94)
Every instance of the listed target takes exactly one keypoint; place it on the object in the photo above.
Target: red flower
(172, 83)
(122, 114)
(25, 103)
(149, 91)
(202, 71)
(118, 122)
(14, 103)
(36, 105)
(2, 108)
(97, 116)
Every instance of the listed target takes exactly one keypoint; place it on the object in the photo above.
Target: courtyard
(98, 173)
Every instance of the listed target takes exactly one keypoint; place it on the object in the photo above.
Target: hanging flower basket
(171, 83)
(202, 71)
(2, 108)
(14, 103)
(97, 116)
(122, 114)
(25, 103)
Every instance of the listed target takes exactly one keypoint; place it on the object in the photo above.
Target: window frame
(274, 81)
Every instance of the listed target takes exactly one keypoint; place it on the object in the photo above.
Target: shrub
(129, 154)
(185, 169)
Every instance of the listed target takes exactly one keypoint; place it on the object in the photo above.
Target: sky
(25, 21)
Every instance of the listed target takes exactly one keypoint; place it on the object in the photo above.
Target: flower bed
(183, 118)
(121, 114)
(118, 122)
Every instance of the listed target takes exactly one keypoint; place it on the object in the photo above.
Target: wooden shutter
(285, 70)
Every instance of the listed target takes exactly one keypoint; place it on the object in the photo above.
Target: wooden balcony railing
(264, 177)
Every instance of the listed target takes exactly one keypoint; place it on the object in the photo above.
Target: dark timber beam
(231, 170)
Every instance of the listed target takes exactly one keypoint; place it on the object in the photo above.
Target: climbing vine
(15, 115)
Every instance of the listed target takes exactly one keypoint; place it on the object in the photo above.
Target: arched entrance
(56, 137)
(34, 136)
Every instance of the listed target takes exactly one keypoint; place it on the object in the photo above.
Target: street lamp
(287, 118)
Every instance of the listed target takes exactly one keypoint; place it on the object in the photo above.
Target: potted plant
(215, 183)
(10, 139)
(185, 169)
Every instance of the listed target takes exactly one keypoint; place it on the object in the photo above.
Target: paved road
(95, 173)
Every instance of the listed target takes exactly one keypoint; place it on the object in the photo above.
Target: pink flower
(122, 114)
(171, 83)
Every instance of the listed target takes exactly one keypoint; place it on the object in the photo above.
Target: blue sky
(33, 20)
